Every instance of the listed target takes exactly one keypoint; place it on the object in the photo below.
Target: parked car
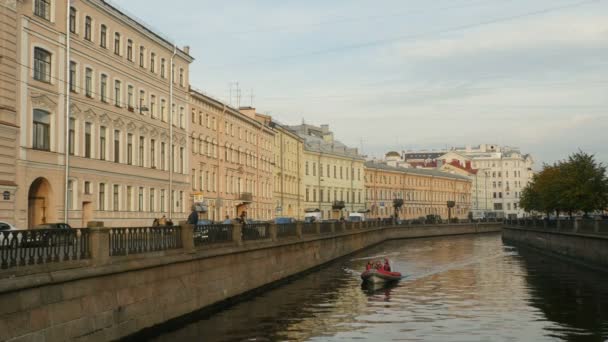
(45, 238)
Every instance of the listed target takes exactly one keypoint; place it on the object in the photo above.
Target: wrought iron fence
(137, 240)
(212, 233)
(287, 230)
(42, 246)
(256, 231)
(326, 227)
(349, 225)
(309, 228)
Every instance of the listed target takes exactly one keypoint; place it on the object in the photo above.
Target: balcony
(338, 205)
(246, 197)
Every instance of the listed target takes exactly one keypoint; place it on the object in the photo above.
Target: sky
(406, 74)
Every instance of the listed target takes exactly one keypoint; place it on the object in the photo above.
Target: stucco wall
(127, 295)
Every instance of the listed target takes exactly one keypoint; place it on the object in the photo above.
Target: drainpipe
(171, 151)
(67, 111)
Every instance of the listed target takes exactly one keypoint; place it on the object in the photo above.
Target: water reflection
(457, 289)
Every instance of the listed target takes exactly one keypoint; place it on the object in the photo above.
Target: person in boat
(387, 266)
(368, 266)
(378, 265)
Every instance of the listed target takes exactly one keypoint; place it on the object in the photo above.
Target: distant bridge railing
(42, 246)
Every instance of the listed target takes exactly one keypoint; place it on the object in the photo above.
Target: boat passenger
(368, 266)
(387, 266)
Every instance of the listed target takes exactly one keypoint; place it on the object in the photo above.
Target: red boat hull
(380, 276)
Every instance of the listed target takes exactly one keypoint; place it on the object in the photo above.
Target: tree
(586, 183)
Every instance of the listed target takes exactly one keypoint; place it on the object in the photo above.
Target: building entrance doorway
(39, 202)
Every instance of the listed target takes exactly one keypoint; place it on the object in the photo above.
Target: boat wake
(377, 256)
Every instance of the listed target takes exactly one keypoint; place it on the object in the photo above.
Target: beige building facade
(333, 175)
(231, 160)
(126, 137)
(423, 192)
(288, 172)
(9, 129)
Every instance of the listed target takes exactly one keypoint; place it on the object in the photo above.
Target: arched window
(42, 65)
(41, 130)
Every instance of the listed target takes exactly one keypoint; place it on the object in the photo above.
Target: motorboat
(374, 275)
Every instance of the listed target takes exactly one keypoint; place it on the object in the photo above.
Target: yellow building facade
(333, 174)
(288, 172)
(424, 192)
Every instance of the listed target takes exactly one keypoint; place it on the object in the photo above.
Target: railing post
(333, 227)
(299, 229)
(237, 234)
(558, 223)
(187, 235)
(273, 231)
(544, 224)
(577, 223)
(596, 225)
(317, 227)
(100, 245)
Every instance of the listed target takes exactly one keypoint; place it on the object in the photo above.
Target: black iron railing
(326, 227)
(287, 230)
(137, 240)
(309, 228)
(212, 233)
(41, 246)
(256, 231)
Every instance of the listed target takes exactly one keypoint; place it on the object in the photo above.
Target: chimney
(187, 49)
(325, 128)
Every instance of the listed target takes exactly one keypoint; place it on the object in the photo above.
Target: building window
(141, 151)
(307, 195)
(181, 160)
(117, 43)
(182, 120)
(88, 82)
(306, 168)
(162, 155)
(72, 20)
(72, 134)
(42, 65)
(102, 196)
(87, 188)
(103, 89)
(153, 106)
(151, 207)
(102, 143)
(130, 97)
(42, 8)
(153, 153)
(152, 62)
(142, 98)
(130, 149)
(140, 199)
(181, 77)
(141, 56)
(115, 198)
(117, 92)
(103, 36)
(162, 200)
(129, 198)
(130, 50)
(72, 76)
(163, 111)
(116, 146)
(87, 140)
(42, 123)
(70, 194)
(87, 28)
(162, 68)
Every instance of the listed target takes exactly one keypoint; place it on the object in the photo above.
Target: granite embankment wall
(590, 249)
(107, 298)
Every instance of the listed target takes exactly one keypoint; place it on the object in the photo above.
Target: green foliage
(576, 184)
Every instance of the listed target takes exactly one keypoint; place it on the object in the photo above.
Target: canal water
(464, 288)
